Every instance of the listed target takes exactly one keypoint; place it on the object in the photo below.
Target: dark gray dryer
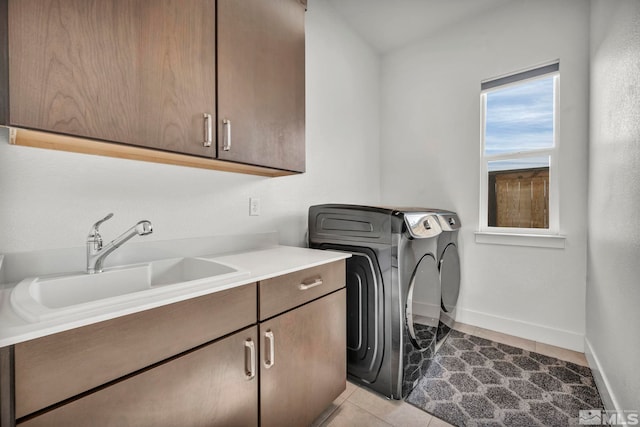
(393, 290)
(449, 267)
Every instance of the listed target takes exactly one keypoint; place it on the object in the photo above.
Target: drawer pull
(249, 359)
(270, 344)
(304, 286)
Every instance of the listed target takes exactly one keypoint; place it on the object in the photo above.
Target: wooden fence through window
(519, 198)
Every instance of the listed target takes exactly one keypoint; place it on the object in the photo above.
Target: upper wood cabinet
(135, 72)
(146, 72)
(261, 84)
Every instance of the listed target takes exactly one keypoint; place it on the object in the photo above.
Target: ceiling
(389, 24)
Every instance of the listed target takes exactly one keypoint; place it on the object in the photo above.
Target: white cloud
(520, 117)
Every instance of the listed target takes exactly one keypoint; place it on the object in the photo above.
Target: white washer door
(450, 277)
(423, 303)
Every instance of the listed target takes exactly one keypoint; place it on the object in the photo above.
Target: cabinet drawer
(206, 387)
(53, 368)
(291, 290)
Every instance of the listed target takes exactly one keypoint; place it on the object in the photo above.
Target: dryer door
(423, 303)
(450, 277)
(365, 312)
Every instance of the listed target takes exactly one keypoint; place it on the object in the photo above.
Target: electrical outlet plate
(254, 206)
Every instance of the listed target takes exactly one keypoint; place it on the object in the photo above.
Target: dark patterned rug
(474, 382)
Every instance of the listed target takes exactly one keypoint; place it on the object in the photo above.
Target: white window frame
(554, 168)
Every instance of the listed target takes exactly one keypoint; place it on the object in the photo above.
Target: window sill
(532, 240)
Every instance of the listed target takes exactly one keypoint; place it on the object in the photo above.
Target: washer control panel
(422, 226)
(449, 221)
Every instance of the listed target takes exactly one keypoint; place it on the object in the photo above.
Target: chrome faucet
(96, 254)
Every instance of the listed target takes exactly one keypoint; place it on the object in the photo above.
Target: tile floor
(538, 347)
(359, 407)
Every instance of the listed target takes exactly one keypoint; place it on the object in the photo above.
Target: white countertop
(262, 264)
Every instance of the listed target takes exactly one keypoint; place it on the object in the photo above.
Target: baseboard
(544, 334)
(608, 398)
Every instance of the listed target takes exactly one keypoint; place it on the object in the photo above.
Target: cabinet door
(136, 72)
(211, 386)
(261, 83)
(56, 367)
(303, 361)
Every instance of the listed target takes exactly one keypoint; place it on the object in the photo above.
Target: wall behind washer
(613, 275)
(49, 199)
(430, 148)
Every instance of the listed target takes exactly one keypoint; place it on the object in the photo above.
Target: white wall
(430, 148)
(49, 199)
(613, 275)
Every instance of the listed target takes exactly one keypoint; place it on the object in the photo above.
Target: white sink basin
(45, 298)
(180, 270)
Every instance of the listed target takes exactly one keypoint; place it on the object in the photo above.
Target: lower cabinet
(303, 361)
(271, 354)
(214, 385)
(57, 368)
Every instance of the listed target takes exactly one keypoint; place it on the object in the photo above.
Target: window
(519, 153)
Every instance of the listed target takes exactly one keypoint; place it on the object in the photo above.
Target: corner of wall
(600, 377)
(612, 296)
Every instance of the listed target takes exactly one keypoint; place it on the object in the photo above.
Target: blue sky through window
(519, 118)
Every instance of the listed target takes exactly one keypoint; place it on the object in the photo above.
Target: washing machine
(449, 269)
(393, 290)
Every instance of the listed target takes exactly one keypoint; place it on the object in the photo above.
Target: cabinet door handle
(304, 286)
(269, 343)
(227, 135)
(208, 130)
(249, 359)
